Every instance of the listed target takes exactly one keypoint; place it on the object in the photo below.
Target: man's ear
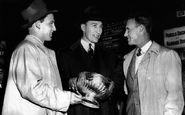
(141, 28)
(37, 24)
(83, 27)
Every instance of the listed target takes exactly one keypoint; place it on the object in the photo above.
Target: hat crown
(91, 10)
(35, 7)
(34, 12)
(91, 13)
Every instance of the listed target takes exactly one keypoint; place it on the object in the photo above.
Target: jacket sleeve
(174, 102)
(63, 66)
(118, 79)
(33, 85)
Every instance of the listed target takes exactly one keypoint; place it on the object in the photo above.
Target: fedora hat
(91, 13)
(34, 12)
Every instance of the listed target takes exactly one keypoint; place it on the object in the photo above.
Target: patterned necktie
(90, 51)
(138, 52)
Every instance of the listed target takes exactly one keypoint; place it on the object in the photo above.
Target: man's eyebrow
(93, 23)
(52, 20)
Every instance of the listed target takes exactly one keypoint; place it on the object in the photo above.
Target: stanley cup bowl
(93, 87)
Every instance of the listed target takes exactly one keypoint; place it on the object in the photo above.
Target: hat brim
(93, 19)
(39, 17)
(103, 20)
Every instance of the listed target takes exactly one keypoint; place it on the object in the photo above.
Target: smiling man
(34, 86)
(153, 72)
(75, 59)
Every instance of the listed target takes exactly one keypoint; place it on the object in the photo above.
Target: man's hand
(75, 98)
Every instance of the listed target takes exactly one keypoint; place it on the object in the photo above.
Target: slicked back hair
(142, 18)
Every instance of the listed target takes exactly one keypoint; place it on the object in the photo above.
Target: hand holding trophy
(92, 86)
(75, 98)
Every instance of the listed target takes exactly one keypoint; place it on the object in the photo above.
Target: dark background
(162, 12)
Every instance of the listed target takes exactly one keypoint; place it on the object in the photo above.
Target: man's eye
(51, 23)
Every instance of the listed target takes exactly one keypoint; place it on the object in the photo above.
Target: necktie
(138, 52)
(90, 51)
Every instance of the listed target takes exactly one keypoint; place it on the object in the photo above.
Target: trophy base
(90, 103)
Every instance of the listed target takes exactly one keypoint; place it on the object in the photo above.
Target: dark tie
(90, 51)
(138, 52)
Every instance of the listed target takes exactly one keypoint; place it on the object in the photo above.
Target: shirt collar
(146, 47)
(86, 45)
(32, 36)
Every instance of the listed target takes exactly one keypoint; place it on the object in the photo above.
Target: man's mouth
(96, 36)
(51, 34)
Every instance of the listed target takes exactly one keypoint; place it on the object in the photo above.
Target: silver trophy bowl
(92, 86)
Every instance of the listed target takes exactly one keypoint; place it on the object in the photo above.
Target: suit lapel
(150, 50)
(81, 55)
(131, 69)
(146, 56)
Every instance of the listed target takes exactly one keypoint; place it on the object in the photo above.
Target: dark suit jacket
(74, 59)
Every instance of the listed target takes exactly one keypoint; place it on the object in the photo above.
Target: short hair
(142, 18)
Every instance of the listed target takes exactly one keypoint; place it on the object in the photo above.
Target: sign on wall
(180, 13)
(175, 37)
(112, 35)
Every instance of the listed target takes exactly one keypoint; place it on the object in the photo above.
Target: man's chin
(130, 43)
(49, 39)
(95, 41)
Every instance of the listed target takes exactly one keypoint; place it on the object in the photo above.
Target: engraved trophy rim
(86, 86)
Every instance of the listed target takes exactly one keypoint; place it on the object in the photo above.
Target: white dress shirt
(86, 45)
(143, 52)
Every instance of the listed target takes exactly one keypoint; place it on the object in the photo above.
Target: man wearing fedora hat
(75, 58)
(34, 85)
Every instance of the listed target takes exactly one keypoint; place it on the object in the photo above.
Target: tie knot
(139, 52)
(90, 47)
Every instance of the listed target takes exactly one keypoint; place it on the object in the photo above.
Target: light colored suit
(160, 81)
(34, 86)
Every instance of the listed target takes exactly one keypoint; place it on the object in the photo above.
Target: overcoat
(159, 80)
(34, 86)
(74, 59)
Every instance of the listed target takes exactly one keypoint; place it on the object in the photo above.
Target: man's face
(92, 31)
(132, 32)
(47, 27)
